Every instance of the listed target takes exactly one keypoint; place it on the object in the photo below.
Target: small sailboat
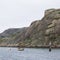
(50, 49)
(50, 46)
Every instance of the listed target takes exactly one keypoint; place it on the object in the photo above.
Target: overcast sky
(20, 13)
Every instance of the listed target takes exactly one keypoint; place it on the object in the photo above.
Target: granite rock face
(38, 34)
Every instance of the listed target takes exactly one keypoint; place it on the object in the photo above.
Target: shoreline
(32, 47)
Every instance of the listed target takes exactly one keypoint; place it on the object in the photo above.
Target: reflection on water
(29, 54)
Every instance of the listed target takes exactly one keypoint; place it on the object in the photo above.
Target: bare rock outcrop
(38, 34)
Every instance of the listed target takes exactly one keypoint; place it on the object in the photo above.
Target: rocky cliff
(38, 34)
